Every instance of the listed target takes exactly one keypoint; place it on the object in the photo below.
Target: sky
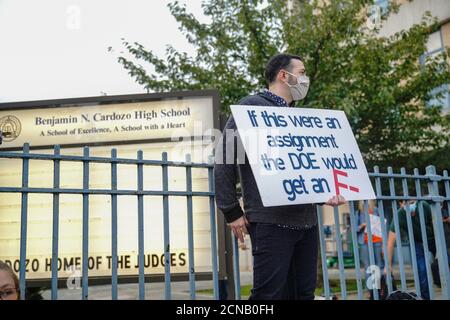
(53, 49)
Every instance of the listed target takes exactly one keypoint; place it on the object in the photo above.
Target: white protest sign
(302, 155)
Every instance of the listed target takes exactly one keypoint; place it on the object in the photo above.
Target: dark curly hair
(276, 63)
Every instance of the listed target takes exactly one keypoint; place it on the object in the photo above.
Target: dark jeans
(284, 262)
(422, 270)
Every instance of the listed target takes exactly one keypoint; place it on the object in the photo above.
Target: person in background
(9, 283)
(418, 241)
(446, 224)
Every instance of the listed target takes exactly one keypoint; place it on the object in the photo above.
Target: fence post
(340, 254)
(383, 230)
(141, 252)
(85, 250)
(236, 271)
(371, 250)
(411, 239)
(165, 178)
(424, 235)
(114, 224)
(447, 190)
(323, 251)
(190, 226)
(212, 215)
(439, 230)
(55, 232)
(24, 222)
(353, 227)
(398, 239)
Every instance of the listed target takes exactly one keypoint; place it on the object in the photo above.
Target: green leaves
(377, 81)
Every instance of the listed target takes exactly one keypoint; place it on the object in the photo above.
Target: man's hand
(336, 201)
(239, 227)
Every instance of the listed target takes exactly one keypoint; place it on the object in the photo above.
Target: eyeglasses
(7, 293)
(302, 73)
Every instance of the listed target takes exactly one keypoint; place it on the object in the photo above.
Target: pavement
(180, 290)
(153, 291)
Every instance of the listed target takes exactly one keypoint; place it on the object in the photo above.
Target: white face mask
(299, 90)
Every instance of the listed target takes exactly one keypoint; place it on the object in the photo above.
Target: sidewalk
(153, 291)
(180, 290)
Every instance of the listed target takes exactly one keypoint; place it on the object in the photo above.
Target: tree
(377, 81)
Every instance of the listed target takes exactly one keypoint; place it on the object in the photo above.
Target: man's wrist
(234, 214)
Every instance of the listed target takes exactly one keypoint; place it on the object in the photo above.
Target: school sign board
(152, 123)
(301, 155)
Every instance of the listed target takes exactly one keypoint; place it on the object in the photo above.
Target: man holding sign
(279, 214)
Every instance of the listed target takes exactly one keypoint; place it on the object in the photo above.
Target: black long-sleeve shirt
(227, 172)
